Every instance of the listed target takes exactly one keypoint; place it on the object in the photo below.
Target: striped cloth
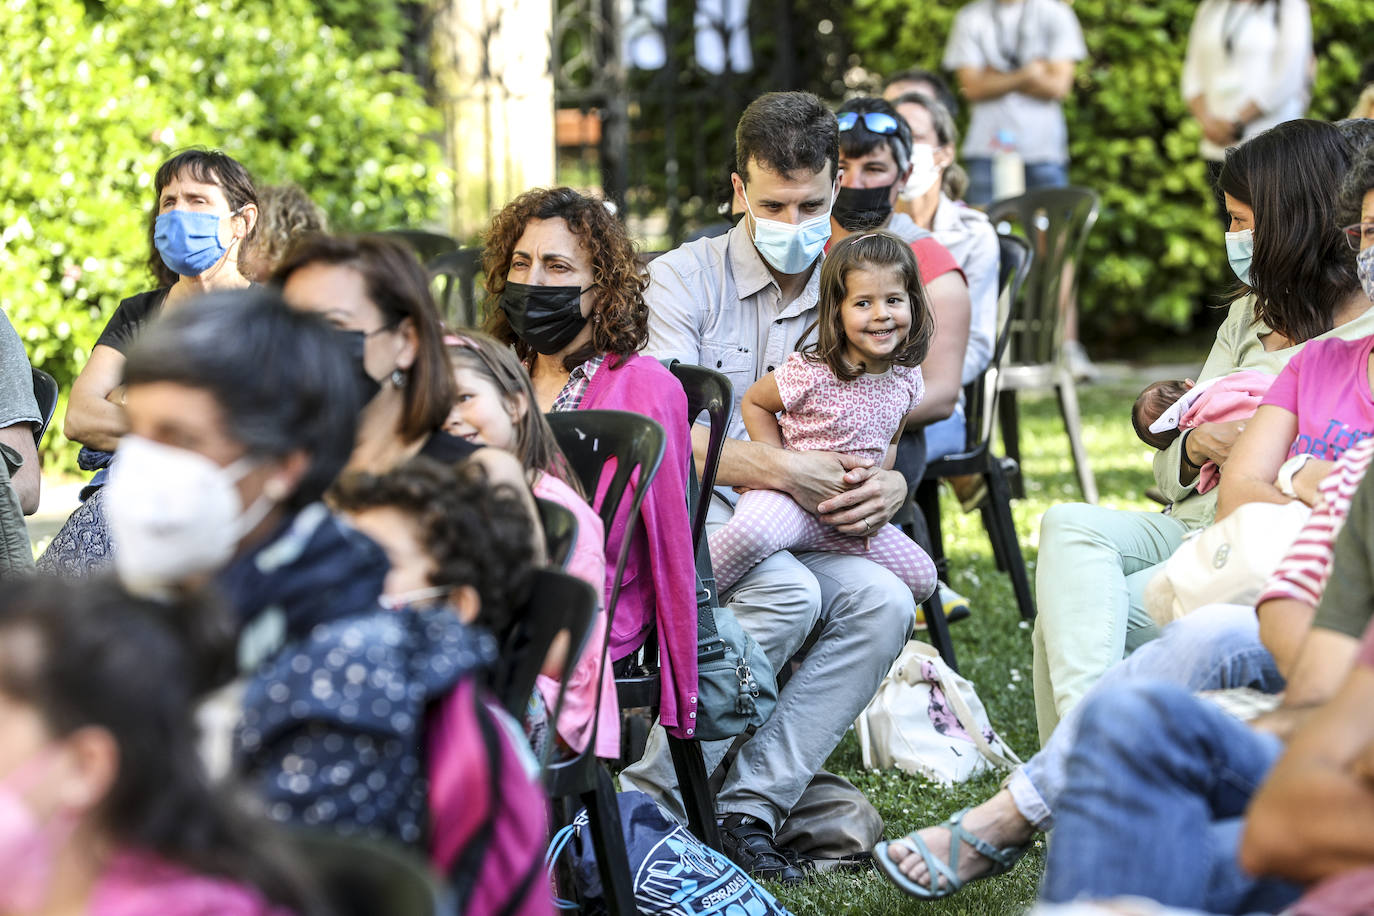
(1303, 573)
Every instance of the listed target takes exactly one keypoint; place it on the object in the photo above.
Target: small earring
(398, 378)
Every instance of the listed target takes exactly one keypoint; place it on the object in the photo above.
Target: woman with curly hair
(567, 291)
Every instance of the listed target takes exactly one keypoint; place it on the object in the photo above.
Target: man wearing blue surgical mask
(739, 304)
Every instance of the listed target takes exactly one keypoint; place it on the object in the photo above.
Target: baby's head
(1153, 401)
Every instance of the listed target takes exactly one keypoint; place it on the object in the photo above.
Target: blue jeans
(1214, 647)
(1161, 780)
(946, 437)
(1038, 175)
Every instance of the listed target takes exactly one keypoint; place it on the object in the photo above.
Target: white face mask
(413, 597)
(924, 172)
(174, 513)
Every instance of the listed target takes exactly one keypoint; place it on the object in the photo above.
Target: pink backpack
(489, 815)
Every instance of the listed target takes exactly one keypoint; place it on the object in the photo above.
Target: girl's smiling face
(875, 315)
(481, 413)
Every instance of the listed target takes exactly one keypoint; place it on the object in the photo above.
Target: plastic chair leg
(1009, 420)
(928, 503)
(937, 628)
(989, 516)
(608, 840)
(1073, 423)
(1002, 531)
(690, 766)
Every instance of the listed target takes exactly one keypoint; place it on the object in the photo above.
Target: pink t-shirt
(588, 563)
(1327, 386)
(140, 884)
(859, 417)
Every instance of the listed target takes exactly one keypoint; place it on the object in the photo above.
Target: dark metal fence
(648, 93)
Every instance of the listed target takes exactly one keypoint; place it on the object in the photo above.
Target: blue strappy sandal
(1003, 859)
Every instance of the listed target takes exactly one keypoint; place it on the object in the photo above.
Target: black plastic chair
(589, 440)
(557, 602)
(45, 392)
(560, 531)
(977, 457)
(709, 392)
(426, 245)
(361, 877)
(456, 274)
(1056, 222)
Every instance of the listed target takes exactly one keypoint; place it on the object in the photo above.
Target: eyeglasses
(875, 121)
(1359, 235)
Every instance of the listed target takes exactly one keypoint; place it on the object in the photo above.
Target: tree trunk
(495, 86)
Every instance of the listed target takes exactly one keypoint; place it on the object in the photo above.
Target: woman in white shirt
(1248, 67)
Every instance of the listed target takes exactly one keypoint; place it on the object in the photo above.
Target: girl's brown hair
(620, 317)
(535, 444)
(869, 249)
(398, 286)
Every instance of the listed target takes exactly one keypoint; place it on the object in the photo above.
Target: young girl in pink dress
(849, 391)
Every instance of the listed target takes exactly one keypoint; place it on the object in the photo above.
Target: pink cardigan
(660, 574)
(588, 562)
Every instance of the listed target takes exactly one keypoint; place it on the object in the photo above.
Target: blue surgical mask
(789, 247)
(188, 241)
(1364, 266)
(1240, 249)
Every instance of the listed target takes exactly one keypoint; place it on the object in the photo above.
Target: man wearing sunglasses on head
(1014, 61)
(739, 304)
(875, 163)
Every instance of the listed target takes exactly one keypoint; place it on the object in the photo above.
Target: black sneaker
(749, 844)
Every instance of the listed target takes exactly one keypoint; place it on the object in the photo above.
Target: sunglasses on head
(875, 121)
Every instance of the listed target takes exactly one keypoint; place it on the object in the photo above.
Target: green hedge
(1157, 254)
(97, 95)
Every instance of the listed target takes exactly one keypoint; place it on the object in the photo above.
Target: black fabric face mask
(861, 209)
(547, 318)
(356, 341)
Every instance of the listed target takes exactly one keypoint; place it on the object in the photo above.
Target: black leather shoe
(749, 844)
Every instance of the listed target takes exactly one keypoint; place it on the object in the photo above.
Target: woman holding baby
(1298, 283)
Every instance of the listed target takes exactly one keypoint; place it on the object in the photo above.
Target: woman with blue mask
(205, 210)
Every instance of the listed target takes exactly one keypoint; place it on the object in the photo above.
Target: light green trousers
(1093, 567)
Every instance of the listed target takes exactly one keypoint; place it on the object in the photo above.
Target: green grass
(994, 651)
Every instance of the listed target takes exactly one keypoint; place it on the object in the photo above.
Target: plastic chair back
(709, 392)
(360, 877)
(1056, 222)
(980, 395)
(557, 602)
(426, 245)
(560, 531)
(45, 392)
(456, 274)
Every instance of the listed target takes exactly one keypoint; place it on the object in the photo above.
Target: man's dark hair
(207, 166)
(860, 141)
(787, 132)
(943, 94)
(283, 378)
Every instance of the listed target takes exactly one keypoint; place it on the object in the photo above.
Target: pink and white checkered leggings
(766, 521)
